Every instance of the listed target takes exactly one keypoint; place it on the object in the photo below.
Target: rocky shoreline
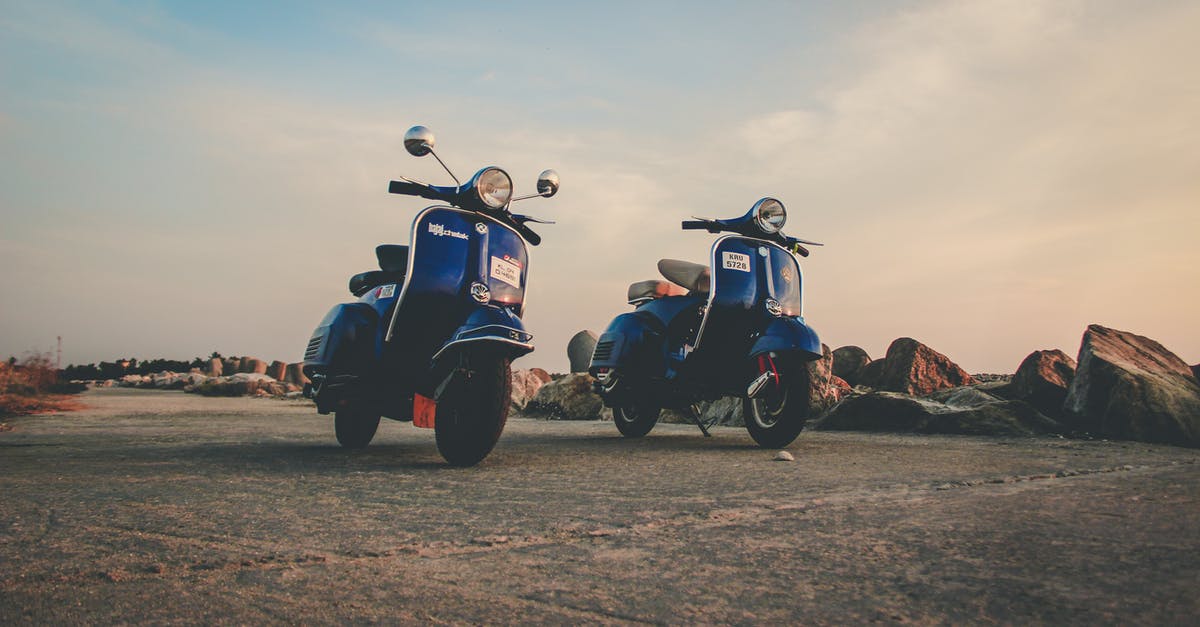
(1120, 386)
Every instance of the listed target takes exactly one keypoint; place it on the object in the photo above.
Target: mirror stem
(439, 160)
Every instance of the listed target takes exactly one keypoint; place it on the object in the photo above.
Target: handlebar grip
(695, 225)
(533, 238)
(800, 250)
(411, 189)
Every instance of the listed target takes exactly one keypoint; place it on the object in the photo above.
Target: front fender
(491, 326)
(788, 335)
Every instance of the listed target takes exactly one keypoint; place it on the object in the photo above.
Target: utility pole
(58, 359)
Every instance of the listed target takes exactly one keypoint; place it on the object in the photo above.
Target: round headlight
(770, 215)
(494, 187)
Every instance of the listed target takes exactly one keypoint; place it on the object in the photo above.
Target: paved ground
(165, 507)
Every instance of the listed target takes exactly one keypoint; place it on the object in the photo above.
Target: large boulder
(568, 398)
(295, 374)
(216, 367)
(725, 411)
(849, 363)
(525, 385)
(970, 415)
(231, 365)
(277, 370)
(871, 374)
(1042, 380)
(580, 349)
(825, 389)
(1130, 387)
(241, 384)
(911, 367)
(1196, 371)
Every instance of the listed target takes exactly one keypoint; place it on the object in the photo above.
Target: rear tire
(777, 416)
(355, 425)
(472, 416)
(636, 418)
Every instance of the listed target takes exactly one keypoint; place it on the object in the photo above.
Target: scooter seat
(693, 277)
(364, 282)
(643, 291)
(392, 257)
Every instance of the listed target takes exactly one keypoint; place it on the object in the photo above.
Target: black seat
(364, 282)
(392, 257)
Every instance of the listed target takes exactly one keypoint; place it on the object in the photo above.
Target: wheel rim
(770, 406)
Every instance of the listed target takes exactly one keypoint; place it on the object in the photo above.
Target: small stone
(784, 456)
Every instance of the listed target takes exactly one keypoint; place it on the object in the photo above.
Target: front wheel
(636, 418)
(471, 417)
(355, 424)
(777, 415)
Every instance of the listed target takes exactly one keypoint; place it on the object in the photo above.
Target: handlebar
(413, 189)
(695, 225)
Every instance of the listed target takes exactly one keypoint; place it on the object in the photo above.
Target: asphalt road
(165, 507)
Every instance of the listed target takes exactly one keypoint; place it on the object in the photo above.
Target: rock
(240, 384)
(891, 411)
(230, 365)
(725, 411)
(277, 370)
(215, 367)
(525, 385)
(913, 368)
(849, 362)
(1130, 387)
(1042, 380)
(964, 398)
(1196, 372)
(252, 365)
(784, 456)
(579, 350)
(824, 392)
(295, 374)
(871, 374)
(568, 398)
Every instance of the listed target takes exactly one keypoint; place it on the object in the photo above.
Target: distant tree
(215, 355)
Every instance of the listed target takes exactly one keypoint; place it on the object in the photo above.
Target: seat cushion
(654, 288)
(693, 277)
(392, 257)
(363, 282)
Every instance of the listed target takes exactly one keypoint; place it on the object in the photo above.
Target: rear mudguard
(490, 327)
(788, 335)
(632, 345)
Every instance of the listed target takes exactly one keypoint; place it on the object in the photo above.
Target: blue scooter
(435, 329)
(734, 327)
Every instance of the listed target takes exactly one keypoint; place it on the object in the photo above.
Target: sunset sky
(988, 177)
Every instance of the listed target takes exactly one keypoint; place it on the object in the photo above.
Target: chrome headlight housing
(769, 215)
(494, 187)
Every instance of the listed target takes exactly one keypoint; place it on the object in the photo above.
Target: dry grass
(30, 387)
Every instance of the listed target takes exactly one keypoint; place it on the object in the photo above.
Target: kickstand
(694, 414)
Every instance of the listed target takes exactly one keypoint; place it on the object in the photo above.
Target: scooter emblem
(480, 292)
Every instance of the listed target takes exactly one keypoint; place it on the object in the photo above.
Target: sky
(989, 177)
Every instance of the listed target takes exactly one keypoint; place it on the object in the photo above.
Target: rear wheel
(636, 418)
(471, 417)
(777, 415)
(355, 425)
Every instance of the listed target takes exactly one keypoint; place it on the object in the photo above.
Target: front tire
(636, 418)
(471, 418)
(355, 424)
(777, 415)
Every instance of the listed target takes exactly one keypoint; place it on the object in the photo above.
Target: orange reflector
(424, 411)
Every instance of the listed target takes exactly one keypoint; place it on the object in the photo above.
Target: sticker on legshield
(736, 261)
(387, 291)
(506, 271)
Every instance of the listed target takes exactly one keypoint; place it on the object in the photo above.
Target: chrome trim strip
(489, 338)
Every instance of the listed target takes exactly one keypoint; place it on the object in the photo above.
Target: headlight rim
(477, 187)
(762, 222)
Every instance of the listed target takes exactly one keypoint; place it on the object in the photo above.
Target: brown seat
(693, 277)
(643, 291)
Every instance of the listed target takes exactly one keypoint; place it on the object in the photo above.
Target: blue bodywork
(392, 340)
(704, 345)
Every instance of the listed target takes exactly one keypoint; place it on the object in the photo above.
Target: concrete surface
(165, 507)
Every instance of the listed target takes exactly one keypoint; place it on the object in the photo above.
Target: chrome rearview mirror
(419, 141)
(547, 183)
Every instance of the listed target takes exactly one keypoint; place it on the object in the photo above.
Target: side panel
(345, 342)
(632, 344)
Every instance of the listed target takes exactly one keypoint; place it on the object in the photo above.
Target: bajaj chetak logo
(442, 231)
